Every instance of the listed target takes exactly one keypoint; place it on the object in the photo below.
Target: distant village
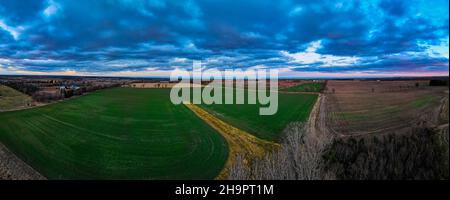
(45, 89)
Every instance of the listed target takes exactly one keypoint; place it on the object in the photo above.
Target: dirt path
(12, 168)
(239, 141)
(313, 119)
(317, 118)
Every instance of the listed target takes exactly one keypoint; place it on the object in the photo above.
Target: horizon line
(283, 77)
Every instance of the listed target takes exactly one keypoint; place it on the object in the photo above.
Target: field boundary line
(12, 167)
(239, 142)
(314, 116)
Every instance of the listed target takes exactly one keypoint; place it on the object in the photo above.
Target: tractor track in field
(239, 141)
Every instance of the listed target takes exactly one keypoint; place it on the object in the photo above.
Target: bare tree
(239, 170)
(299, 158)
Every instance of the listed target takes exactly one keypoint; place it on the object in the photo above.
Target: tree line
(421, 153)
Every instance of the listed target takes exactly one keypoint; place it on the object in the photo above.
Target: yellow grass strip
(239, 141)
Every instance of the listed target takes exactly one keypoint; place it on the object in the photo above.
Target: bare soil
(374, 107)
(13, 168)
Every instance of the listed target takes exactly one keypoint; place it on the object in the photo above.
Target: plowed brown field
(372, 107)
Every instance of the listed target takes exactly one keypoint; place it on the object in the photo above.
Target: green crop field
(126, 133)
(305, 87)
(119, 133)
(291, 108)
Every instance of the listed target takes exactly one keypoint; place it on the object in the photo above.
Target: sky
(314, 38)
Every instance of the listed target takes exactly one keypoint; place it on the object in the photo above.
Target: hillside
(11, 99)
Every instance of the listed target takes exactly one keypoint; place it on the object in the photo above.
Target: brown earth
(13, 168)
(373, 107)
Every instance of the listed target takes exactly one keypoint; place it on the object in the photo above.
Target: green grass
(305, 87)
(119, 133)
(422, 101)
(291, 108)
(126, 133)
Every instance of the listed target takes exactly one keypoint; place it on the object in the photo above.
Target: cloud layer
(148, 37)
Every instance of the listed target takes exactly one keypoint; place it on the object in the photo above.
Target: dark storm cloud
(21, 11)
(386, 65)
(126, 35)
(394, 7)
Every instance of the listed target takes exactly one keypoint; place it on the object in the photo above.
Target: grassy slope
(119, 133)
(306, 87)
(12, 99)
(291, 108)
